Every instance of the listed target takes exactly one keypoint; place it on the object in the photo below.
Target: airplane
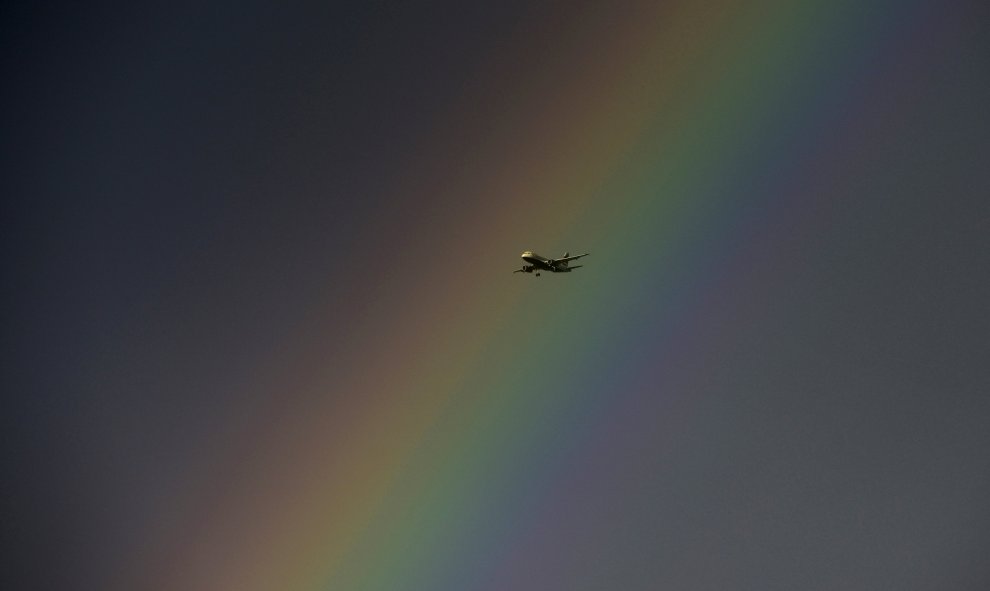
(538, 263)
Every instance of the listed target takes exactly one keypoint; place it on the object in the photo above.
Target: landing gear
(537, 274)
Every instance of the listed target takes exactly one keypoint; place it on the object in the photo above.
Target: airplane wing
(565, 259)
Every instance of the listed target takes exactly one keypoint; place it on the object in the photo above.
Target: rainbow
(442, 420)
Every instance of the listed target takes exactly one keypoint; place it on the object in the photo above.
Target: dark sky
(180, 180)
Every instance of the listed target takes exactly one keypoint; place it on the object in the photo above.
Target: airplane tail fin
(564, 263)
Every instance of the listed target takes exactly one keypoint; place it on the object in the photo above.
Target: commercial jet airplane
(538, 263)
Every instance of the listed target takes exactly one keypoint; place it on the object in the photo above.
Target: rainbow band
(431, 451)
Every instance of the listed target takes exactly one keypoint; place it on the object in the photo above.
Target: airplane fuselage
(536, 263)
